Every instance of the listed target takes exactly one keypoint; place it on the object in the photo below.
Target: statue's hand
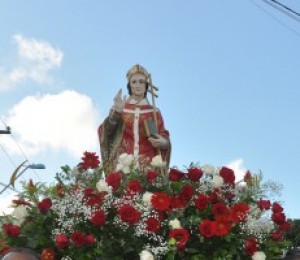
(159, 142)
(119, 102)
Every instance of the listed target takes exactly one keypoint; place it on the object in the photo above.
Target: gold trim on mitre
(137, 69)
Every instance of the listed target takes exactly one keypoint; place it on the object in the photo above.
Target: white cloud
(66, 122)
(5, 204)
(36, 59)
(237, 167)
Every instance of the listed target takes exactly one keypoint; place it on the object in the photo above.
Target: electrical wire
(276, 19)
(7, 155)
(3, 149)
(20, 149)
(284, 9)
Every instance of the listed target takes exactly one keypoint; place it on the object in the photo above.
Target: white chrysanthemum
(146, 255)
(75, 171)
(208, 169)
(175, 223)
(124, 162)
(20, 214)
(102, 186)
(259, 255)
(147, 198)
(217, 181)
(157, 161)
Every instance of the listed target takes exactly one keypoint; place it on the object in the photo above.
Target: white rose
(146, 255)
(20, 214)
(217, 181)
(102, 186)
(158, 162)
(75, 171)
(208, 169)
(124, 162)
(175, 223)
(147, 198)
(259, 255)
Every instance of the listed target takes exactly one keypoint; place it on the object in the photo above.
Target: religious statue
(134, 126)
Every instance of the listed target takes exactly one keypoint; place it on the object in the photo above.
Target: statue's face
(138, 85)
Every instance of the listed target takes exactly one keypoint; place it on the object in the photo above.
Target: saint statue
(134, 126)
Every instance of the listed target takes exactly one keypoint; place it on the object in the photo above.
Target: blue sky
(227, 72)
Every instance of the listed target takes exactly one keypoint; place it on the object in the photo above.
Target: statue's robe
(126, 134)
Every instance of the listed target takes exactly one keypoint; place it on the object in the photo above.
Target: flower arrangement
(198, 213)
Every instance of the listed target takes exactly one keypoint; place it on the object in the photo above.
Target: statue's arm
(112, 121)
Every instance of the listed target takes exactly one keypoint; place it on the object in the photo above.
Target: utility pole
(5, 132)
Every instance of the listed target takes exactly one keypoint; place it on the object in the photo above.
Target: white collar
(144, 101)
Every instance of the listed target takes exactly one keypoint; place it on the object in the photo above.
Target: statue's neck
(136, 101)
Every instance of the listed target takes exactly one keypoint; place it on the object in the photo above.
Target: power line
(9, 158)
(20, 149)
(284, 9)
(2, 147)
(275, 18)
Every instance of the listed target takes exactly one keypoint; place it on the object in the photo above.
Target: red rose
(239, 212)
(48, 254)
(251, 246)
(175, 175)
(278, 218)
(181, 235)
(276, 207)
(134, 187)
(285, 226)
(160, 201)
(152, 225)
(201, 202)
(129, 214)
(194, 174)
(220, 209)
(264, 204)
(229, 195)
(61, 241)
(45, 205)
(78, 239)
(227, 175)
(151, 176)
(177, 202)
(113, 179)
(92, 198)
(187, 192)
(98, 218)
(90, 240)
(11, 230)
(207, 228)
(277, 235)
(223, 226)
(215, 196)
(89, 161)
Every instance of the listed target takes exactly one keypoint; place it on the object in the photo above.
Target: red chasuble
(127, 134)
